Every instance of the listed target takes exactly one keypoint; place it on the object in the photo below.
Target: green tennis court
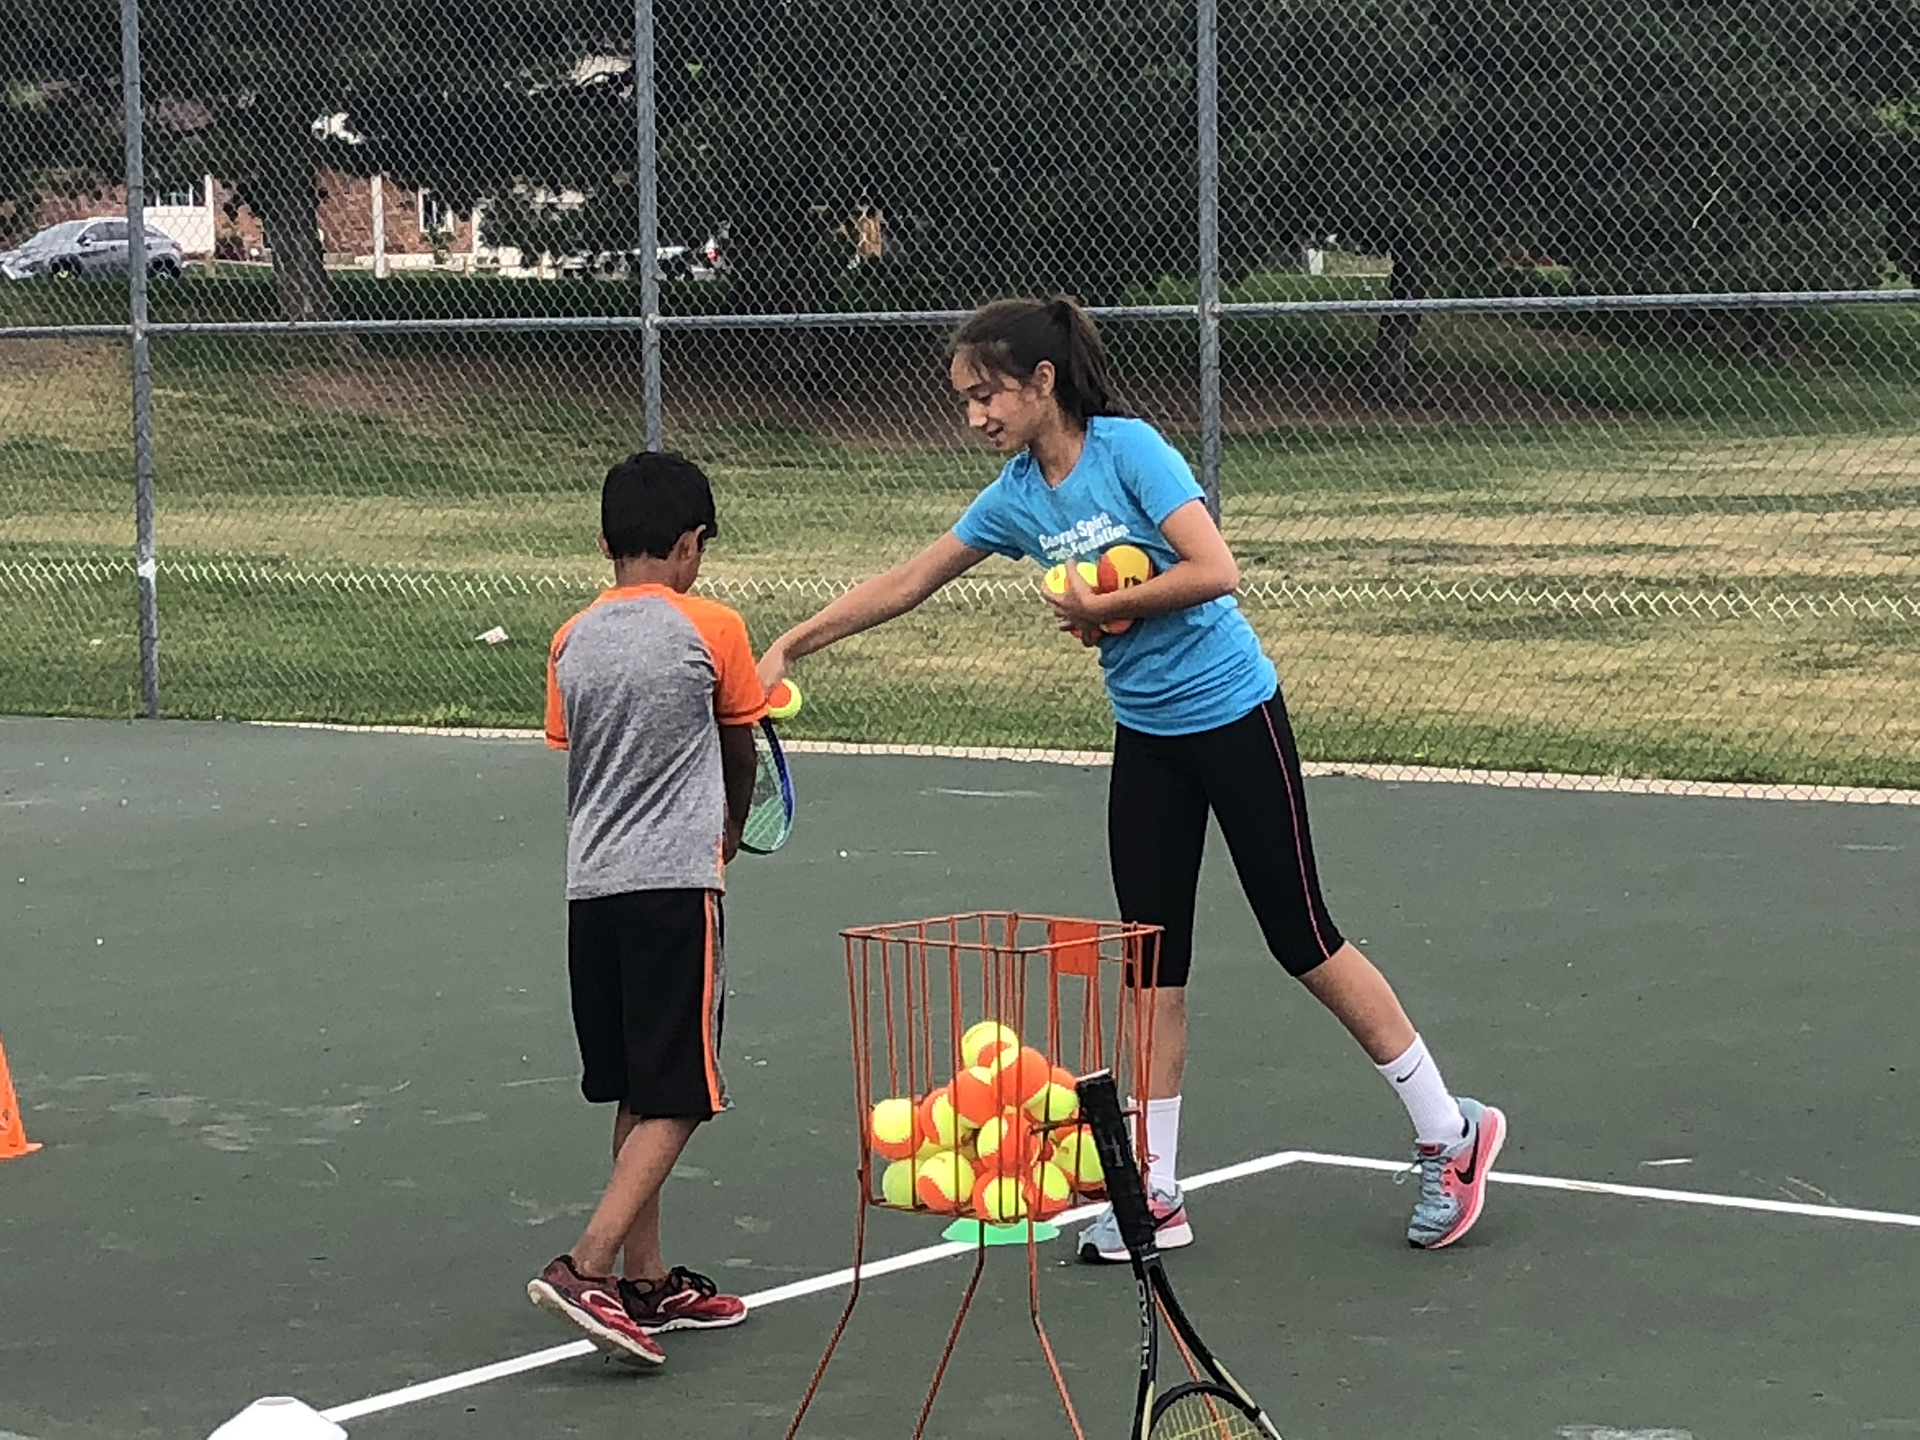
(287, 1010)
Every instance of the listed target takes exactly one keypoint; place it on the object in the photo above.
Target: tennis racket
(770, 816)
(1211, 1408)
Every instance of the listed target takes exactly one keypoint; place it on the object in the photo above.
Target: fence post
(646, 178)
(147, 566)
(1207, 86)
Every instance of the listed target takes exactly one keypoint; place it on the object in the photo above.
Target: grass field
(1568, 552)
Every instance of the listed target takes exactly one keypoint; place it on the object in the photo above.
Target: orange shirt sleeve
(737, 696)
(556, 707)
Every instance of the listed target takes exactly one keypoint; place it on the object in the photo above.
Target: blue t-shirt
(1171, 674)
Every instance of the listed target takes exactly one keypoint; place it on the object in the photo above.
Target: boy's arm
(736, 771)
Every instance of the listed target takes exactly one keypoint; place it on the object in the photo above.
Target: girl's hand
(1080, 609)
(1089, 635)
(772, 668)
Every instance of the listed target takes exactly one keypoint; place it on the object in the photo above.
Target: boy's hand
(731, 846)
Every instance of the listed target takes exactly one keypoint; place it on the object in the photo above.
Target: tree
(268, 94)
(1649, 146)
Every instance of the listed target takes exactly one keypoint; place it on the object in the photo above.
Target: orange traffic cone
(13, 1131)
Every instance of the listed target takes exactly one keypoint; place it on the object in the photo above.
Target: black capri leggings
(1248, 774)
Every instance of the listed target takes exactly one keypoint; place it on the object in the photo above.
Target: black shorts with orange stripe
(649, 990)
(1247, 775)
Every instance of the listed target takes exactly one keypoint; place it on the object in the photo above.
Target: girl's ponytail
(1012, 337)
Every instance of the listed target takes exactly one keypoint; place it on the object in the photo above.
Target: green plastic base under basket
(971, 1232)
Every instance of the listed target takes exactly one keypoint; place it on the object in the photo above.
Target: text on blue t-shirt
(1174, 674)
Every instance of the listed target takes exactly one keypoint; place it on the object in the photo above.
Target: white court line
(1226, 1174)
(1392, 774)
(1642, 1192)
(813, 1285)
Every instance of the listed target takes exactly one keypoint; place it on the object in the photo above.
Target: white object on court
(496, 636)
(279, 1417)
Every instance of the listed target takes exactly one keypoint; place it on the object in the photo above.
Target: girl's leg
(1156, 832)
(1254, 784)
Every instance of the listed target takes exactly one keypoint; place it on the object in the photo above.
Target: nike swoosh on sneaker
(1468, 1171)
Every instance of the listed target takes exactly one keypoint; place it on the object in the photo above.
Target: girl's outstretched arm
(870, 603)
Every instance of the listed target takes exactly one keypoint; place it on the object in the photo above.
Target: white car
(90, 247)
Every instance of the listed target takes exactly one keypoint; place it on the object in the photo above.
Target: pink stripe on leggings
(1299, 844)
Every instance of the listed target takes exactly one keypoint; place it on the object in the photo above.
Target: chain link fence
(1558, 372)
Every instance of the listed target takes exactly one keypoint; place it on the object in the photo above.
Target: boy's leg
(645, 1160)
(643, 1236)
(648, 983)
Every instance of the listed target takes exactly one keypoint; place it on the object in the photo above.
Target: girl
(1200, 725)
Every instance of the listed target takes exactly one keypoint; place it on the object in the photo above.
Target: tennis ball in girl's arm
(783, 702)
(1056, 578)
(1120, 568)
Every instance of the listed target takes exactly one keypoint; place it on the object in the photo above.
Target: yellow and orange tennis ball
(1001, 1199)
(1021, 1077)
(945, 1182)
(973, 1095)
(1119, 568)
(1058, 1100)
(981, 1044)
(1079, 1161)
(893, 1129)
(940, 1121)
(783, 701)
(897, 1184)
(1052, 1192)
(1006, 1144)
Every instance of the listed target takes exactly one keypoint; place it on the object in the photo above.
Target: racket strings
(1203, 1415)
(767, 814)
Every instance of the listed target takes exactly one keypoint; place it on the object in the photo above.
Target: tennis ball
(982, 1043)
(1056, 578)
(944, 1182)
(897, 1184)
(931, 1146)
(940, 1121)
(973, 1095)
(1120, 568)
(893, 1129)
(1079, 1160)
(1052, 1191)
(1006, 1144)
(999, 1199)
(783, 701)
(1058, 1099)
(1021, 1076)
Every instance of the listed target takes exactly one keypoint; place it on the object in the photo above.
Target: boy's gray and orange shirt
(638, 685)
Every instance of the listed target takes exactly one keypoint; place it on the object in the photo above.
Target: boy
(652, 693)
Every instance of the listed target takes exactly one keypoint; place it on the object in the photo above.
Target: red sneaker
(592, 1304)
(685, 1300)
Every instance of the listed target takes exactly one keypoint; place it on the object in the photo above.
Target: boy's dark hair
(1012, 337)
(652, 498)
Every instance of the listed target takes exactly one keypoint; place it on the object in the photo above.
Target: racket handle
(1100, 1103)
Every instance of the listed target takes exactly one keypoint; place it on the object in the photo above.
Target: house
(370, 223)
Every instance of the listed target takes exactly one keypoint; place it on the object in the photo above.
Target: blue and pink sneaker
(1453, 1178)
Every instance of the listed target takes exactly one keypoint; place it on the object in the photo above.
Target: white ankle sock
(1416, 1080)
(1163, 1141)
